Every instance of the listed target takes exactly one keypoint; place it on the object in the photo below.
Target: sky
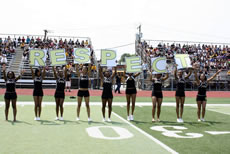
(112, 23)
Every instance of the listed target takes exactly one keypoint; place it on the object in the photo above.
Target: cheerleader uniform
(107, 88)
(60, 89)
(201, 96)
(180, 92)
(10, 89)
(130, 88)
(157, 91)
(84, 83)
(38, 91)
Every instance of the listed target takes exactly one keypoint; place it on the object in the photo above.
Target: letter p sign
(108, 58)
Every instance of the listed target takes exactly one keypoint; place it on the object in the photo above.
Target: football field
(120, 135)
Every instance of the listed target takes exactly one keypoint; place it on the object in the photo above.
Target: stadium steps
(15, 65)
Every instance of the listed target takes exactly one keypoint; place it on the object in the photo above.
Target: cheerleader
(84, 91)
(38, 77)
(157, 95)
(107, 94)
(180, 92)
(202, 83)
(10, 94)
(60, 91)
(130, 92)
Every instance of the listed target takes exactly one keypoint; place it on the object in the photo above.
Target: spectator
(145, 69)
(68, 81)
(118, 83)
(23, 39)
(28, 40)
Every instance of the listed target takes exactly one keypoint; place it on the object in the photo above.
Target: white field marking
(122, 104)
(139, 105)
(176, 132)
(147, 135)
(217, 132)
(218, 111)
(96, 132)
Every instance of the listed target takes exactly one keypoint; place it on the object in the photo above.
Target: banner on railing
(182, 61)
(158, 65)
(133, 64)
(108, 58)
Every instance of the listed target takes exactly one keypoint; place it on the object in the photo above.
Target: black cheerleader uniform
(201, 96)
(157, 91)
(84, 83)
(107, 88)
(180, 90)
(60, 89)
(10, 89)
(38, 91)
(130, 86)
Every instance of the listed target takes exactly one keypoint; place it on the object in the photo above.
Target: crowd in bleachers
(7, 48)
(8, 45)
(209, 57)
(51, 44)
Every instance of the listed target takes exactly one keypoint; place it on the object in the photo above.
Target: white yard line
(218, 111)
(147, 135)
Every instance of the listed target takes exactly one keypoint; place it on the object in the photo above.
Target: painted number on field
(176, 132)
(95, 132)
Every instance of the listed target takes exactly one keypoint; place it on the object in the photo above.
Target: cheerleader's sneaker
(131, 117)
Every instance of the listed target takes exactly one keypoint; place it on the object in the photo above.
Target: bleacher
(222, 83)
(49, 82)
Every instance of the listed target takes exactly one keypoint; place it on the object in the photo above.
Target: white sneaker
(109, 120)
(89, 120)
(35, 119)
(103, 119)
(61, 119)
(128, 118)
(56, 118)
(199, 120)
(202, 119)
(178, 120)
(131, 117)
(77, 119)
(158, 120)
(38, 118)
(181, 120)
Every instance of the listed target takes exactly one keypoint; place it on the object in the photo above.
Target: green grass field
(119, 136)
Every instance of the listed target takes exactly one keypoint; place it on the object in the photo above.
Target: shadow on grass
(140, 122)
(19, 122)
(47, 122)
(69, 122)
